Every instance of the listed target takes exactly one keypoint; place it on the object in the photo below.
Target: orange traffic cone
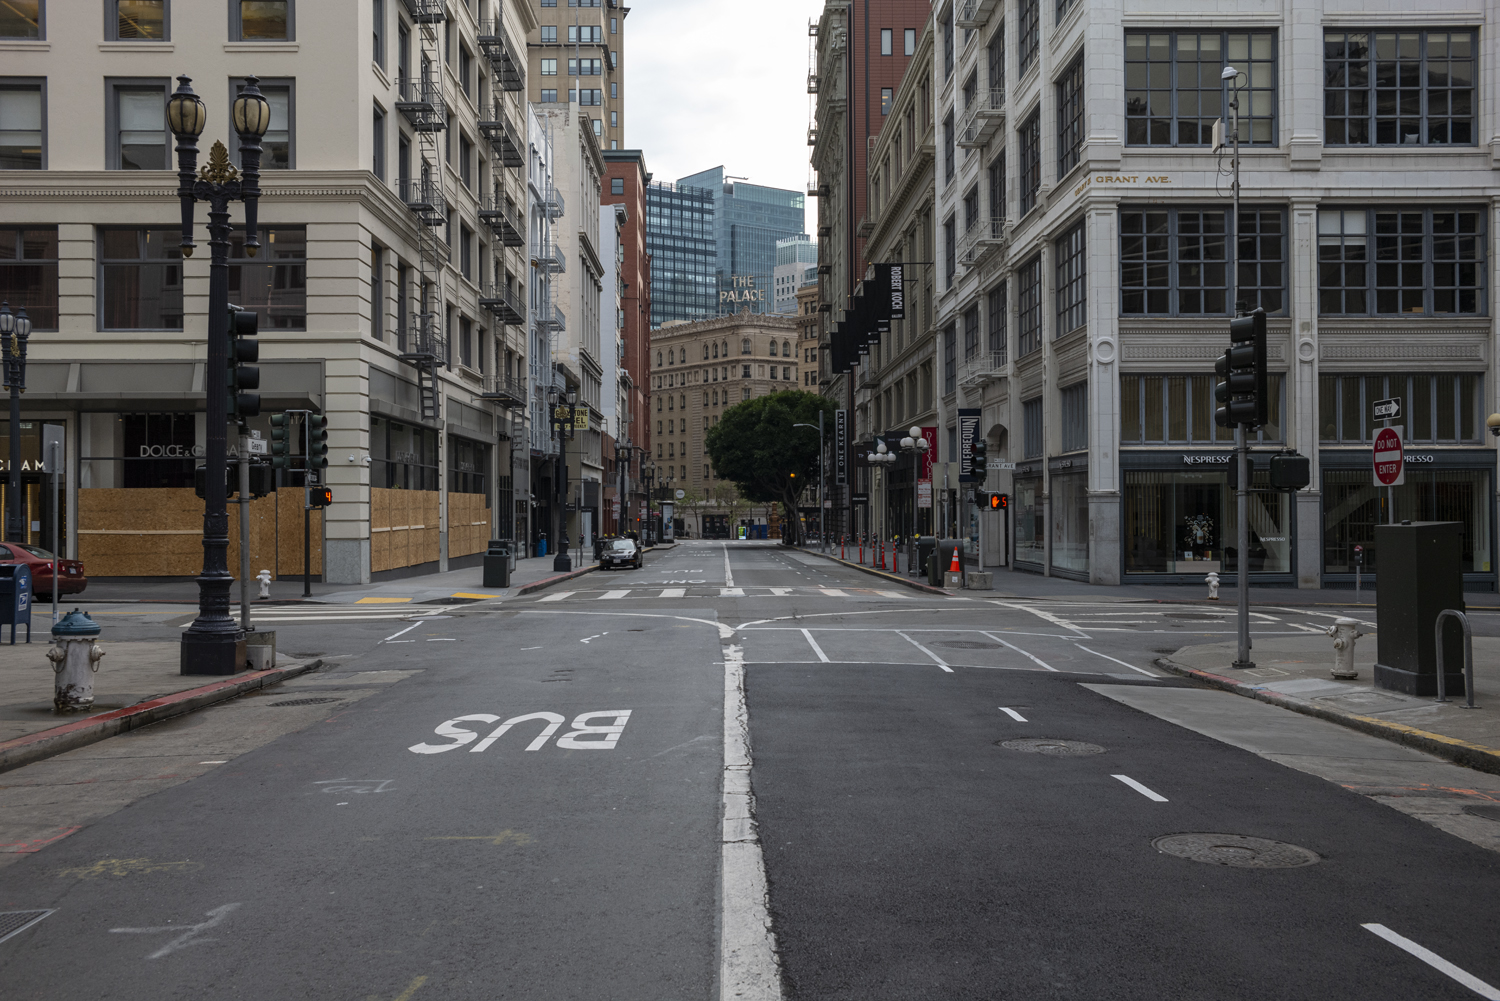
(954, 567)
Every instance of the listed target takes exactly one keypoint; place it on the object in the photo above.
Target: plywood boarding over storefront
(290, 532)
(468, 524)
(403, 528)
(158, 532)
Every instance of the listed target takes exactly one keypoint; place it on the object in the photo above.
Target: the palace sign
(742, 289)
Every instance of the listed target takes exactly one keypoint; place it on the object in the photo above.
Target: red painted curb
(537, 585)
(880, 573)
(24, 750)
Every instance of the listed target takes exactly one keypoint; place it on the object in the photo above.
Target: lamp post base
(561, 563)
(213, 654)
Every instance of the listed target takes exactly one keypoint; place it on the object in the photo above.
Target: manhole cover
(966, 645)
(1236, 850)
(15, 922)
(303, 702)
(1488, 811)
(1051, 745)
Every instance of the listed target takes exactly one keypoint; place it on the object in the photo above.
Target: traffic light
(200, 481)
(317, 441)
(1242, 391)
(320, 497)
(979, 461)
(281, 443)
(999, 502)
(262, 479)
(244, 351)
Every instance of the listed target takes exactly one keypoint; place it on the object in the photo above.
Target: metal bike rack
(1437, 628)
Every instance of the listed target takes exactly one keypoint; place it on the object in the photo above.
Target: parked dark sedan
(620, 553)
(39, 562)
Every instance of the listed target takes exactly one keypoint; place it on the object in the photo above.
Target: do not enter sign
(1390, 458)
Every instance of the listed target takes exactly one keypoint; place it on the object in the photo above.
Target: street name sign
(1389, 458)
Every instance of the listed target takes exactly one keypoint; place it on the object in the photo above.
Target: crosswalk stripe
(559, 596)
(834, 592)
(731, 592)
(891, 594)
(607, 595)
(673, 592)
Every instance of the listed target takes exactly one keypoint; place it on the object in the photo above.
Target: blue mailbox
(15, 598)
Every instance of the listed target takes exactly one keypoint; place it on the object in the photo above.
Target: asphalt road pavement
(541, 798)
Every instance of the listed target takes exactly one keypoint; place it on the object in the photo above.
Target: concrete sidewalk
(1295, 672)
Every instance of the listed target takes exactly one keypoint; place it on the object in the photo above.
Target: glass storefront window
(402, 456)
(1441, 407)
(1353, 506)
(1180, 408)
(1185, 522)
(138, 450)
(468, 462)
(1031, 538)
(1070, 522)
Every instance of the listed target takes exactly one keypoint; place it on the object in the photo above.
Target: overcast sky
(712, 82)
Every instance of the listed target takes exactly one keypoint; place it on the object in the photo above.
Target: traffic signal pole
(1241, 429)
(245, 527)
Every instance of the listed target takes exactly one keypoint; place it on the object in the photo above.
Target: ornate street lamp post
(214, 644)
(561, 561)
(917, 446)
(878, 459)
(15, 330)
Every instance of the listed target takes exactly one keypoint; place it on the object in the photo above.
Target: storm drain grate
(304, 702)
(1236, 850)
(15, 922)
(1052, 745)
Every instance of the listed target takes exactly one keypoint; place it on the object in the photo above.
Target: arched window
(786, 349)
(670, 401)
(705, 397)
(745, 346)
(716, 350)
(705, 352)
(683, 404)
(658, 359)
(658, 404)
(773, 349)
(726, 349)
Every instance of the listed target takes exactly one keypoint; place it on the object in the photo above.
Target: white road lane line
(406, 630)
(1435, 961)
(1106, 656)
(935, 658)
(822, 657)
(728, 573)
(1154, 797)
(892, 594)
(610, 595)
(834, 592)
(1023, 653)
(559, 596)
(1013, 715)
(673, 592)
(731, 592)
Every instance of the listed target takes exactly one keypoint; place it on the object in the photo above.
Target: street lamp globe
(921, 444)
(23, 325)
(7, 319)
(252, 112)
(914, 431)
(907, 443)
(1229, 73)
(186, 114)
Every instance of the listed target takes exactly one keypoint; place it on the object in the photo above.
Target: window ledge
(24, 45)
(380, 74)
(261, 47)
(137, 47)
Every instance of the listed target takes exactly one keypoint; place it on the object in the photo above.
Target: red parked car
(39, 562)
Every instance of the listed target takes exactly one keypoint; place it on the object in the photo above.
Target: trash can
(1419, 572)
(541, 545)
(925, 545)
(943, 559)
(497, 563)
(15, 598)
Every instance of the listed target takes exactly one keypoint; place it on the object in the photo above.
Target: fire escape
(420, 99)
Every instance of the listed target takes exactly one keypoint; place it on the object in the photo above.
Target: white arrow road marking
(189, 934)
(406, 630)
(594, 637)
(1154, 797)
(1013, 714)
(1435, 961)
(1106, 656)
(1021, 652)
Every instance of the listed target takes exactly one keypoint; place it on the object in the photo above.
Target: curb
(545, 582)
(1460, 752)
(892, 578)
(45, 743)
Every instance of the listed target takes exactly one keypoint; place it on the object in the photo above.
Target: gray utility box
(1420, 574)
(942, 558)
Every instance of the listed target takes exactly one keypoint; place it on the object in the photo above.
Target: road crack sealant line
(748, 965)
(1454, 749)
(80, 733)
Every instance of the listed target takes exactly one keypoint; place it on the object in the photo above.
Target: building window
(28, 273)
(549, 36)
(377, 291)
(22, 125)
(141, 278)
(614, 119)
(1398, 88)
(950, 158)
(1179, 409)
(1029, 306)
(1425, 262)
(1075, 417)
(971, 332)
(21, 19)
(1175, 262)
(549, 96)
(549, 66)
(745, 347)
(138, 19)
(274, 281)
(998, 310)
(910, 38)
(1174, 93)
(1072, 281)
(1030, 152)
(1063, 6)
(1031, 429)
(138, 126)
(377, 16)
(278, 150)
(948, 45)
(1438, 408)
(1260, 260)
(465, 342)
(950, 252)
(950, 360)
(466, 161)
(260, 20)
(466, 251)
(403, 456)
(746, 373)
(885, 41)
(885, 100)
(1070, 117)
(1030, 18)
(377, 159)
(466, 71)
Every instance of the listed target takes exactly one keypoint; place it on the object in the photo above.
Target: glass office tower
(748, 220)
(684, 255)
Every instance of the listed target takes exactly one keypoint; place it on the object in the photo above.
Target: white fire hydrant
(265, 583)
(1212, 580)
(75, 660)
(1344, 633)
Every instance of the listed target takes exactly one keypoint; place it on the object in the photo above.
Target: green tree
(756, 446)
